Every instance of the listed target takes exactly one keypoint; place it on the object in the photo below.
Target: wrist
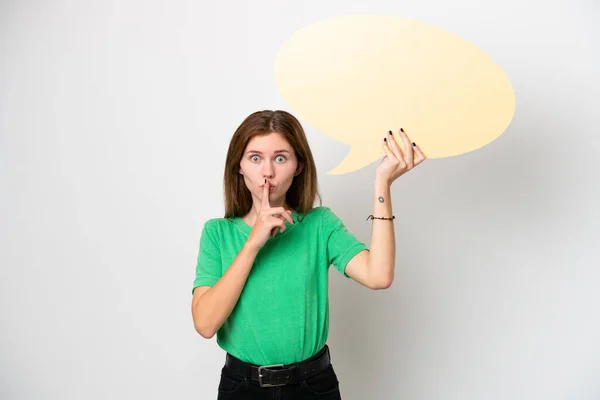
(382, 181)
(249, 246)
(382, 185)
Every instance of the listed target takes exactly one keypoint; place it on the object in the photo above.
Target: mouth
(271, 188)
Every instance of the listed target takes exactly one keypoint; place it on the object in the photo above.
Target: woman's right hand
(268, 221)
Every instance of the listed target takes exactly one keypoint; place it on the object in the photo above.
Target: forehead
(269, 142)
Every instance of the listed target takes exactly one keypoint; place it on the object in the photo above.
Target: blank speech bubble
(354, 78)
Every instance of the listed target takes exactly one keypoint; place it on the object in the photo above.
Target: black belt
(280, 374)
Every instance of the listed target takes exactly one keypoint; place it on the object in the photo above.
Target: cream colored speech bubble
(354, 78)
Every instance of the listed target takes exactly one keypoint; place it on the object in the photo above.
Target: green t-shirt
(282, 315)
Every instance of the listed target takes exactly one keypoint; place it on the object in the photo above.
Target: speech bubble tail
(357, 158)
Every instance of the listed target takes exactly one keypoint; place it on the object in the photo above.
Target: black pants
(322, 386)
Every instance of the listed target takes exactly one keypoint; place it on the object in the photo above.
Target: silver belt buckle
(260, 376)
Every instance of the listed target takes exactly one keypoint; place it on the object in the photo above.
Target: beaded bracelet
(388, 219)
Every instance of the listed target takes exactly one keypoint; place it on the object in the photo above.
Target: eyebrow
(258, 152)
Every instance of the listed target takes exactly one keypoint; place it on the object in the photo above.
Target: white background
(115, 118)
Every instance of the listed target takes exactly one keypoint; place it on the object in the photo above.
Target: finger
(419, 156)
(281, 212)
(265, 197)
(393, 155)
(408, 148)
(282, 226)
(388, 152)
(274, 229)
(278, 225)
(394, 147)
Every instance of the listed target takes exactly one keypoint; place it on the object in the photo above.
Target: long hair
(304, 189)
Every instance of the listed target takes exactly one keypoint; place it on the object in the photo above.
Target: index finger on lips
(265, 198)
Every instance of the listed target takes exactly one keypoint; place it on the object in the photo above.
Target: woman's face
(269, 157)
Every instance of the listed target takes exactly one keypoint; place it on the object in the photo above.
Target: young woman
(261, 275)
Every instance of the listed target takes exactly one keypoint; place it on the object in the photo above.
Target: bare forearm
(383, 242)
(216, 304)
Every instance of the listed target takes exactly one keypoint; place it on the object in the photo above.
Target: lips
(271, 188)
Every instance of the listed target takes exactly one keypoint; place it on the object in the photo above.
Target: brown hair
(304, 189)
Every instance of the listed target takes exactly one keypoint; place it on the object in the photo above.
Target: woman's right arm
(212, 305)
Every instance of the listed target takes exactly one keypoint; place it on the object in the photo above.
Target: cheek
(247, 178)
(249, 175)
(292, 170)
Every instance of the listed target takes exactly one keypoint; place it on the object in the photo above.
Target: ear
(241, 172)
(299, 169)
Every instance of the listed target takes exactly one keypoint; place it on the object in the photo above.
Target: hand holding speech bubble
(354, 78)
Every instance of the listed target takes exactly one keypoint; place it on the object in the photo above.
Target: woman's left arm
(375, 269)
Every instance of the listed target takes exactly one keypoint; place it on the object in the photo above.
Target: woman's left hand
(398, 161)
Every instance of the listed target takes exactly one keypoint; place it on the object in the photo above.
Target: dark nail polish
(265, 181)
(385, 139)
(414, 144)
(390, 132)
(402, 129)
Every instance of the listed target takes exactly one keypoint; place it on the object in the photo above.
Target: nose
(267, 170)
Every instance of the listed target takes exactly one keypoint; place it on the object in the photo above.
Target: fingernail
(402, 129)
(385, 139)
(390, 132)
(265, 181)
(414, 144)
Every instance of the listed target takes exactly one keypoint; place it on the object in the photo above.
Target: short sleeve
(208, 265)
(342, 245)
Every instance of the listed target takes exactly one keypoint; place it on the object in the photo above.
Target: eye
(252, 158)
(282, 157)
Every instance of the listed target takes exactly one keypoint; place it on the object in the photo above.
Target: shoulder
(215, 227)
(324, 217)
(215, 223)
(325, 214)
(320, 211)
(315, 215)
